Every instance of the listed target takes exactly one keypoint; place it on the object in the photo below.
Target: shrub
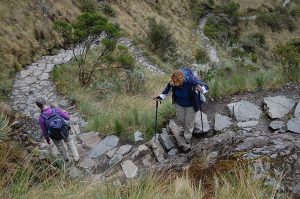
(108, 10)
(276, 21)
(126, 61)
(295, 12)
(201, 56)
(160, 38)
(230, 8)
(135, 82)
(88, 5)
(197, 10)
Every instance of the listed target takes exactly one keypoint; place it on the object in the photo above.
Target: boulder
(129, 168)
(158, 149)
(166, 140)
(138, 136)
(103, 146)
(141, 151)
(293, 125)
(177, 131)
(244, 111)
(275, 125)
(90, 139)
(199, 122)
(222, 122)
(278, 106)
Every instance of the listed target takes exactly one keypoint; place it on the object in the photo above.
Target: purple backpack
(56, 125)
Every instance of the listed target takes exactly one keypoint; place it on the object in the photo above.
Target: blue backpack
(56, 125)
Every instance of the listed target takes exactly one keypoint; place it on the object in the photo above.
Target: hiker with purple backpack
(187, 96)
(54, 123)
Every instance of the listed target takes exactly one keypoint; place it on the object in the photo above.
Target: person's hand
(199, 88)
(158, 98)
(49, 142)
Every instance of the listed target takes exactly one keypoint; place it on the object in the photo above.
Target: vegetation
(83, 33)
(160, 38)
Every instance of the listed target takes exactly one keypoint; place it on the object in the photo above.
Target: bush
(276, 21)
(108, 10)
(197, 10)
(88, 5)
(201, 56)
(295, 12)
(136, 81)
(160, 38)
(126, 61)
(230, 8)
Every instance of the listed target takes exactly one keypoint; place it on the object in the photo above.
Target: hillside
(104, 61)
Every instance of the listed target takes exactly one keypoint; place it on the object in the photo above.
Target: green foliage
(88, 5)
(221, 29)
(230, 8)
(201, 56)
(289, 55)
(260, 81)
(160, 39)
(135, 82)
(295, 11)
(85, 31)
(108, 10)
(126, 61)
(197, 9)
(276, 20)
(4, 127)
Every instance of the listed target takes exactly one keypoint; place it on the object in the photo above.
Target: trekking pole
(199, 93)
(156, 108)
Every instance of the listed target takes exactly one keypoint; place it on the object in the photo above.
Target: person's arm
(44, 132)
(63, 113)
(166, 91)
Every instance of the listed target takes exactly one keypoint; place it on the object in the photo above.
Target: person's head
(177, 78)
(41, 103)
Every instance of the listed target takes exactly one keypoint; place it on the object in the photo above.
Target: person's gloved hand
(158, 98)
(48, 141)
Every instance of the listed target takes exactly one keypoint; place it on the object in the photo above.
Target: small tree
(83, 34)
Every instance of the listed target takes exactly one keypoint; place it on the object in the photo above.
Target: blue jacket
(185, 95)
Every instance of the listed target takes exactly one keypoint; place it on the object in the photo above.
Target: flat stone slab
(297, 110)
(247, 124)
(293, 125)
(141, 151)
(166, 140)
(176, 131)
(120, 153)
(222, 122)
(275, 125)
(198, 123)
(129, 168)
(244, 111)
(278, 106)
(111, 153)
(158, 149)
(108, 143)
(90, 139)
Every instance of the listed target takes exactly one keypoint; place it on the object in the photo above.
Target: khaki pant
(71, 148)
(185, 117)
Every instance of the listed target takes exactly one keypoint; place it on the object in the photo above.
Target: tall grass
(235, 185)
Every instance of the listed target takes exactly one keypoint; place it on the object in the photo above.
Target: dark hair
(40, 102)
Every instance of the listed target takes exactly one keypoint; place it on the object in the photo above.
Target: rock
(142, 150)
(222, 122)
(275, 125)
(105, 145)
(81, 151)
(173, 152)
(120, 153)
(296, 190)
(158, 149)
(166, 140)
(90, 139)
(24, 73)
(293, 125)
(75, 172)
(111, 153)
(297, 110)
(198, 123)
(87, 163)
(247, 124)
(244, 111)
(278, 106)
(129, 169)
(176, 131)
(138, 136)
(148, 161)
